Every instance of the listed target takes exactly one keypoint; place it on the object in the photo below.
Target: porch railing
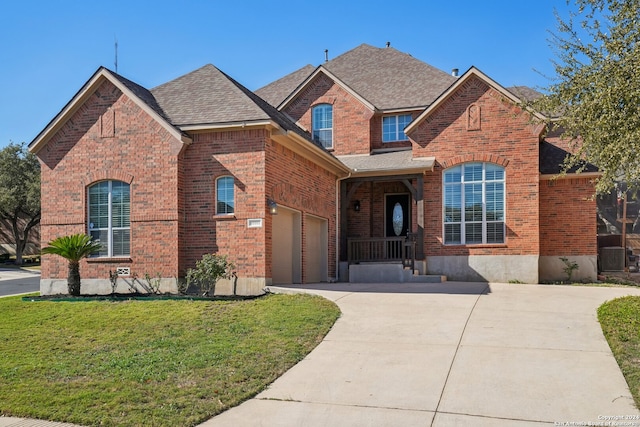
(382, 249)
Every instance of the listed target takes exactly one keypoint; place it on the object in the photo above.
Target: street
(18, 282)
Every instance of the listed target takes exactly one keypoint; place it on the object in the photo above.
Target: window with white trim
(109, 205)
(474, 204)
(393, 127)
(225, 195)
(322, 124)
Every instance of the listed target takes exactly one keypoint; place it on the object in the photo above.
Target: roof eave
(310, 151)
(83, 95)
(367, 173)
(572, 175)
(233, 125)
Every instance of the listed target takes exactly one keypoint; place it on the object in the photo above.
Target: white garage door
(286, 247)
(316, 249)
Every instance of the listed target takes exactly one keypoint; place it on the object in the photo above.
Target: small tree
(596, 90)
(19, 195)
(73, 248)
(208, 271)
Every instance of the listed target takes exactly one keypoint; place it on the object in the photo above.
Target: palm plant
(73, 248)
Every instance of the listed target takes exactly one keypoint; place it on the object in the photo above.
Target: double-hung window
(109, 217)
(393, 127)
(474, 204)
(224, 195)
(322, 124)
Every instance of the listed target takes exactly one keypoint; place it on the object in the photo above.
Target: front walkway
(451, 354)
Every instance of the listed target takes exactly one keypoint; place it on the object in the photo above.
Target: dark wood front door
(397, 206)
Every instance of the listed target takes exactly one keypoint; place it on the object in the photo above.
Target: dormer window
(393, 127)
(322, 124)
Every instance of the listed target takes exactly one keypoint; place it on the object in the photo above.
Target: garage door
(286, 247)
(316, 249)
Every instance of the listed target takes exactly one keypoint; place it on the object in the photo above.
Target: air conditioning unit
(612, 258)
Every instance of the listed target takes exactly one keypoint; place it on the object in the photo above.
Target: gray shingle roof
(275, 92)
(388, 78)
(206, 95)
(552, 158)
(385, 77)
(391, 161)
(141, 92)
(524, 92)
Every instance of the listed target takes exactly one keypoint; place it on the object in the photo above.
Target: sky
(49, 49)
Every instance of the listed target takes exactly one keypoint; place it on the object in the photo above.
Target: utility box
(612, 258)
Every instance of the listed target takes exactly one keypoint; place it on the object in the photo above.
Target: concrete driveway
(452, 354)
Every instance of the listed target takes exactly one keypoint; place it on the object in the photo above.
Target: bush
(208, 271)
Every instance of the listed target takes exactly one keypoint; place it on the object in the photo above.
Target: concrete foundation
(243, 286)
(486, 268)
(552, 268)
(376, 273)
(343, 271)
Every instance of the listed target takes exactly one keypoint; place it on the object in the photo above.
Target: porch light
(356, 206)
(273, 207)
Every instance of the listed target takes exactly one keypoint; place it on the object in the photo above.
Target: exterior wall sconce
(273, 207)
(356, 206)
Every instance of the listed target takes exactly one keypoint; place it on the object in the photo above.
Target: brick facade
(566, 231)
(351, 118)
(173, 190)
(139, 152)
(297, 183)
(110, 136)
(506, 137)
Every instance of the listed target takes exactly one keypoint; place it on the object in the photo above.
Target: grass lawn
(620, 321)
(160, 363)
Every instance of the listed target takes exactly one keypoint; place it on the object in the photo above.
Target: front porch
(381, 230)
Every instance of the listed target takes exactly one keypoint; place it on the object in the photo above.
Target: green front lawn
(161, 363)
(620, 321)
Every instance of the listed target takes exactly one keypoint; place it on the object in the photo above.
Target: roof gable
(309, 80)
(141, 96)
(457, 85)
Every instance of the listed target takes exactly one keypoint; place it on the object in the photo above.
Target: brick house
(380, 167)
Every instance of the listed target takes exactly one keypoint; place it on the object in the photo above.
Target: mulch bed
(138, 297)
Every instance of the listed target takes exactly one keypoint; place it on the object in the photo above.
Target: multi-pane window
(474, 204)
(393, 127)
(109, 217)
(322, 124)
(224, 195)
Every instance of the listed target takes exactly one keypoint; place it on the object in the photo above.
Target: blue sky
(50, 49)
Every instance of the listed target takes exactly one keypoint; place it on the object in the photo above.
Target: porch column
(420, 219)
(344, 203)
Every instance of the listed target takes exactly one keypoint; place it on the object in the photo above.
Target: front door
(397, 215)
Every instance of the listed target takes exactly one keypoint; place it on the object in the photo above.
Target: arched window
(322, 124)
(109, 217)
(225, 195)
(474, 204)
